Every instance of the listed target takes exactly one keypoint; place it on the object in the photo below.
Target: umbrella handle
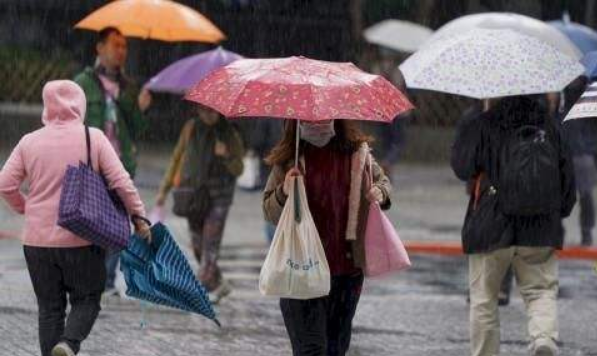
(298, 139)
(297, 202)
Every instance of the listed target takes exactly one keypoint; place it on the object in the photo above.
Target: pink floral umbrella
(299, 88)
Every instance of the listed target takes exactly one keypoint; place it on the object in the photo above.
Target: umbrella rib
(235, 102)
(386, 99)
(315, 107)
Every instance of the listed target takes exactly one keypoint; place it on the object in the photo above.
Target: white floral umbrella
(485, 64)
(508, 21)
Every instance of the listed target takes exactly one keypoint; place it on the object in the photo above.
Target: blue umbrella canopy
(158, 272)
(584, 37)
(589, 61)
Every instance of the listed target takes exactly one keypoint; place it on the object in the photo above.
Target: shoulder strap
(190, 130)
(88, 144)
(369, 169)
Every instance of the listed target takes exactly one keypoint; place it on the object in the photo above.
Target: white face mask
(317, 134)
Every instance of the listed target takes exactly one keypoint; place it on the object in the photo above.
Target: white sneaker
(62, 349)
(216, 295)
(545, 347)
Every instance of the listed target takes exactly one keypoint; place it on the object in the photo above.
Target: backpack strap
(477, 190)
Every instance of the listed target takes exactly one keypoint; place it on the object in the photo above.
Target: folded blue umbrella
(160, 273)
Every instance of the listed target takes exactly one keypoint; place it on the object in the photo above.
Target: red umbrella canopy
(299, 88)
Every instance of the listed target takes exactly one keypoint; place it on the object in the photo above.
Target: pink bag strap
(370, 166)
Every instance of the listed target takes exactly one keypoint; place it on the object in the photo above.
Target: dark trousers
(56, 273)
(323, 326)
(587, 212)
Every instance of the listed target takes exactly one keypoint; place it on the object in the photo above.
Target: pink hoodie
(41, 159)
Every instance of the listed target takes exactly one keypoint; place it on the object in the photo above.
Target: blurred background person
(203, 170)
(114, 105)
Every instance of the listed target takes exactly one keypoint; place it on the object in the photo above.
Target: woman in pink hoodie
(60, 263)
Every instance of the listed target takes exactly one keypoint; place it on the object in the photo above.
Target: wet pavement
(419, 312)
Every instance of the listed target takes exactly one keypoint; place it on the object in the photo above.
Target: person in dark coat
(473, 112)
(496, 241)
(581, 135)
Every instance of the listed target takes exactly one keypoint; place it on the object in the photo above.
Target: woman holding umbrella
(332, 153)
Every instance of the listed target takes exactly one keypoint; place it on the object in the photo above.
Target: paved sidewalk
(421, 312)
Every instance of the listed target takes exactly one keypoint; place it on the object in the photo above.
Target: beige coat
(274, 198)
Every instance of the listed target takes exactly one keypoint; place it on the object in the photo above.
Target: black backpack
(529, 172)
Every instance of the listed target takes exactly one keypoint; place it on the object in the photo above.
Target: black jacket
(476, 151)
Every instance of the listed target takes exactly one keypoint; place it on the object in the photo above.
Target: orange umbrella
(162, 20)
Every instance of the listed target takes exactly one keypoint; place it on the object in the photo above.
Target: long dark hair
(348, 139)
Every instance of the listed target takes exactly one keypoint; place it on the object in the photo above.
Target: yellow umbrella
(162, 20)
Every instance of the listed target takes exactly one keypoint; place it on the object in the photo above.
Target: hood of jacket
(64, 103)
